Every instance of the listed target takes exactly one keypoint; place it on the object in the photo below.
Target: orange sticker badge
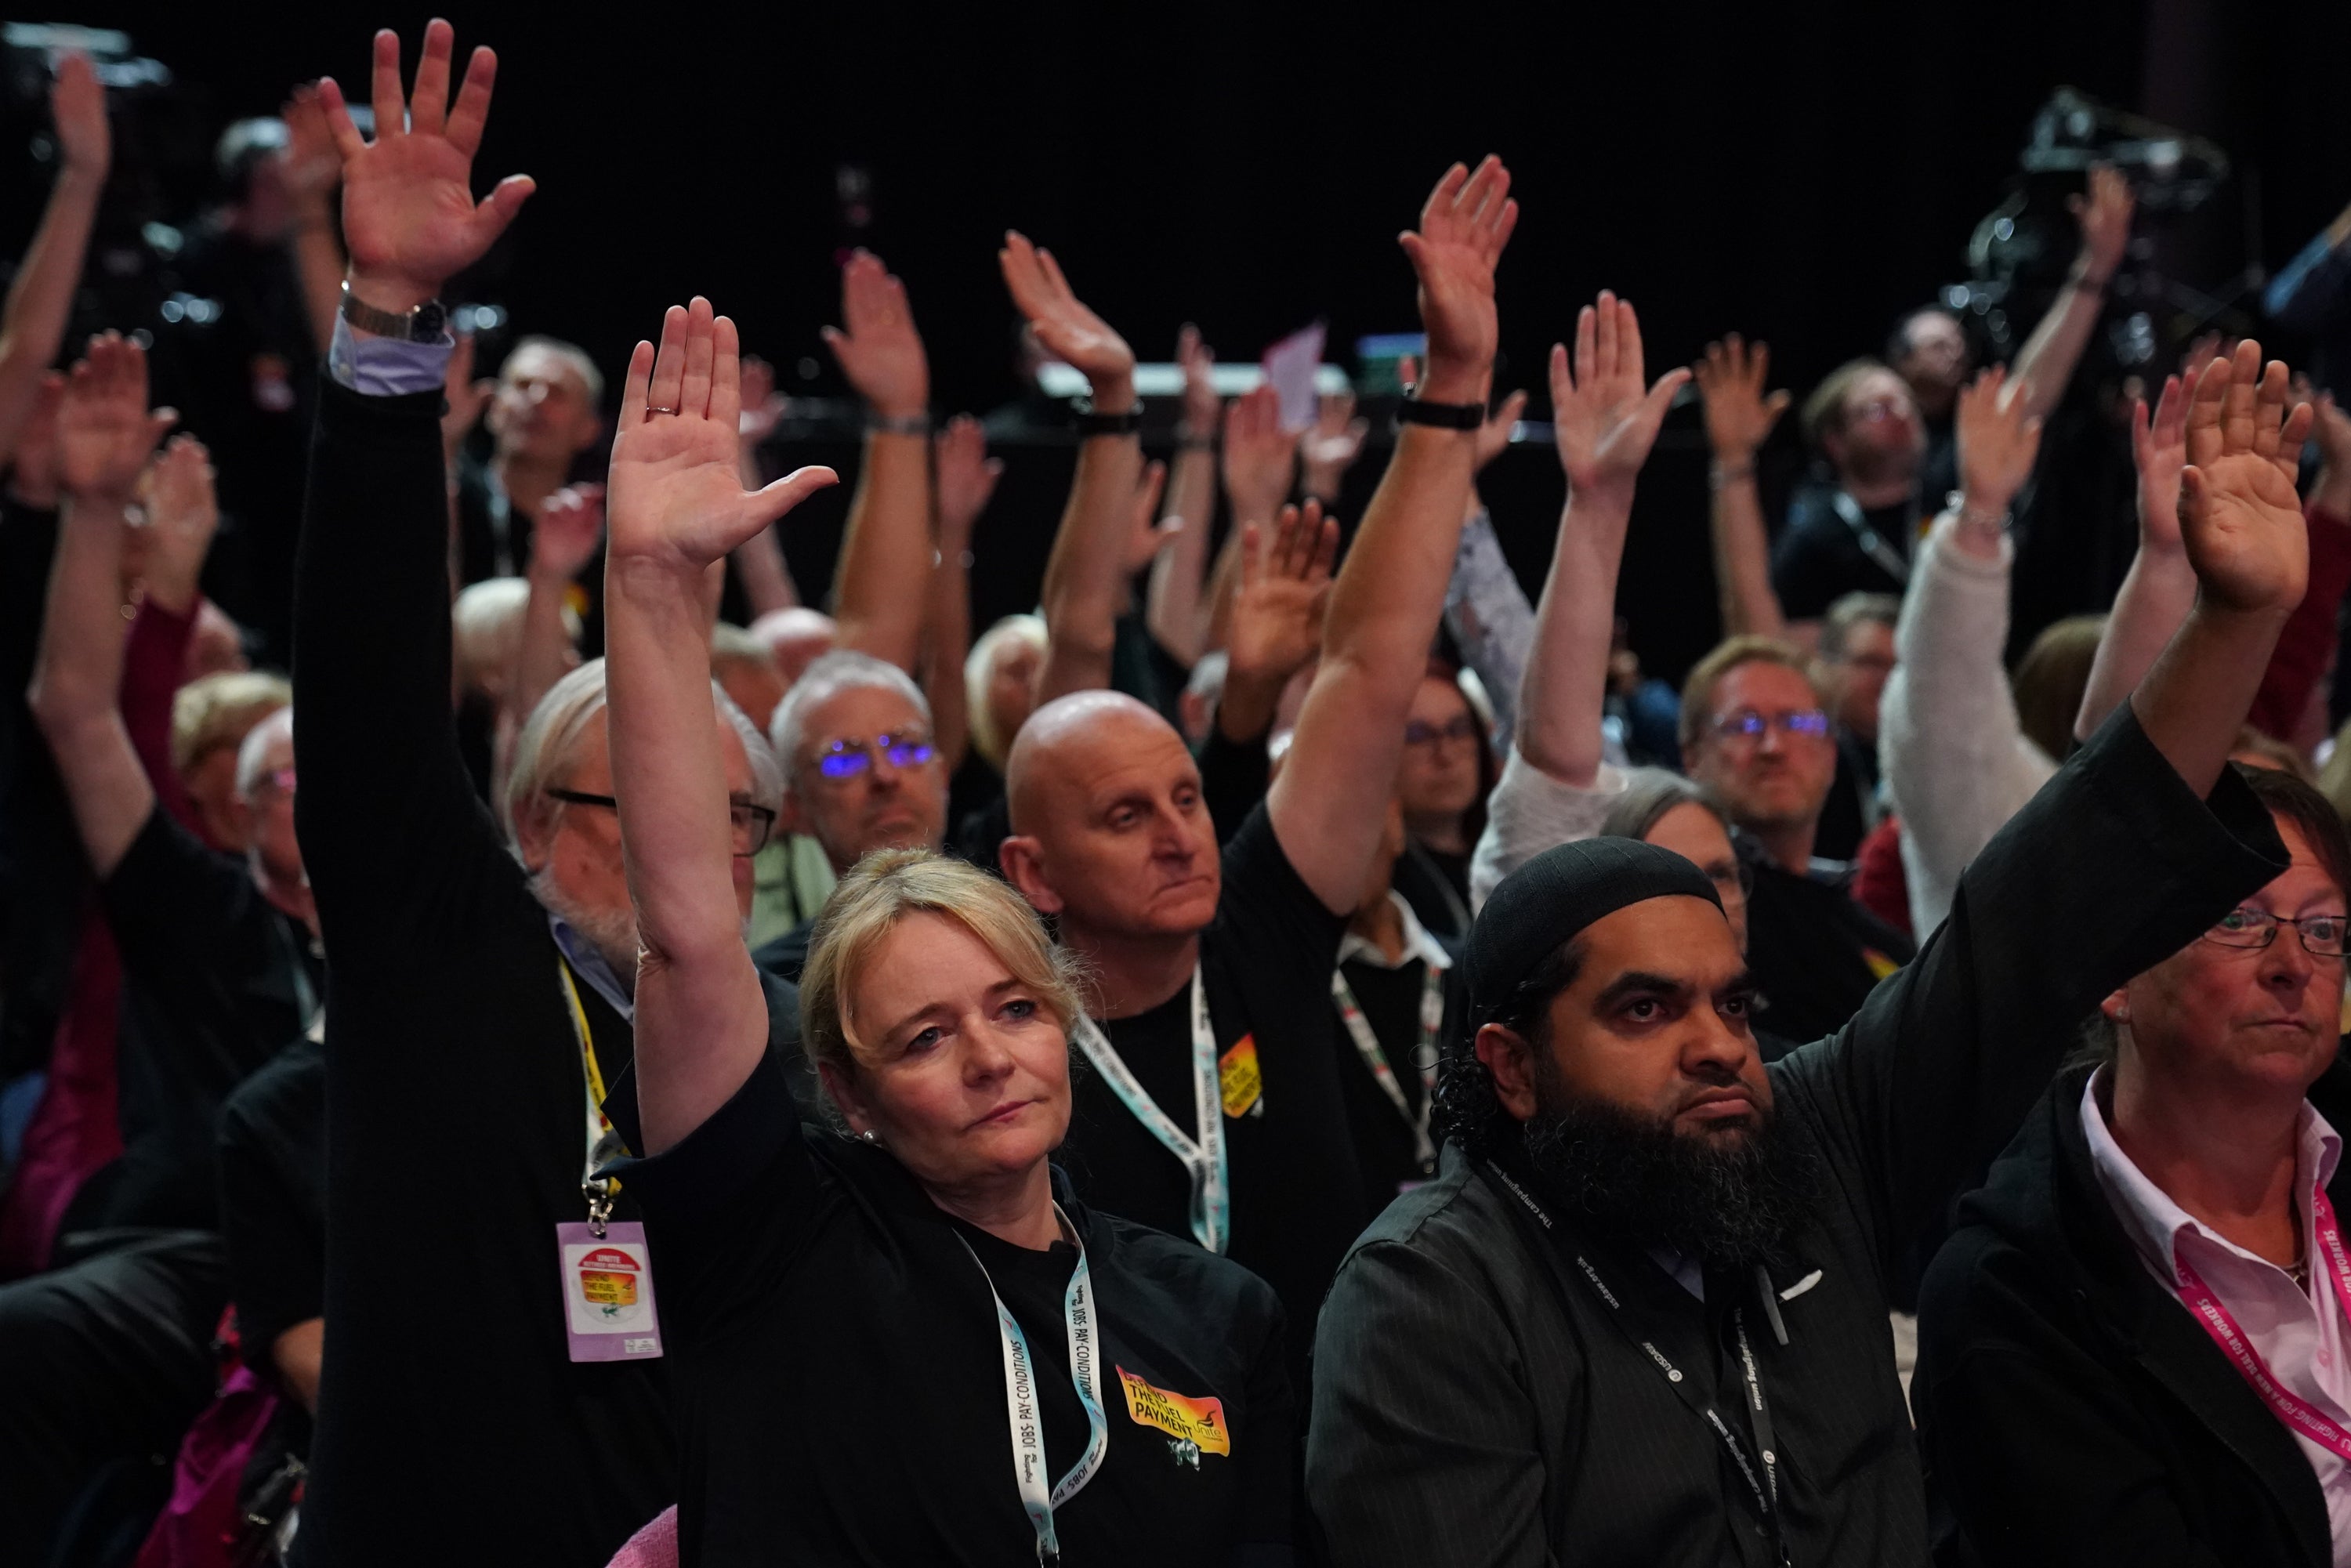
(1199, 1422)
(1237, 1081)
(1880, 965)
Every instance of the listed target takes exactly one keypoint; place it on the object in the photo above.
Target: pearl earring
(870, 1136)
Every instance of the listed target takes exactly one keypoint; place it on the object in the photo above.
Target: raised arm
(1606, 419)
(311, 170)
(1485, 609)
(1175, 604)
(2160, 585)
(386, 812)
(1950, 740)
(890, 515)
(1329, 448)
(967, 478)
(1739, 417)
(562, 543)
(2134, 847)
(1278, 617)
(2047, 361)
(677, 504)
(1328, 805)
(759, 559)
(33, 320)
(104, 435)
(1085, 576)
(2306, 647)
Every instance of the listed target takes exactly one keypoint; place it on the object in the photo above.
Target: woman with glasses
(1448, 770)
(2137, 1346)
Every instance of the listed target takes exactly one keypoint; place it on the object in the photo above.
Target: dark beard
(1729, 1203)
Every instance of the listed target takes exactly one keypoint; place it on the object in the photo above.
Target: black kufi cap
(1558, 893)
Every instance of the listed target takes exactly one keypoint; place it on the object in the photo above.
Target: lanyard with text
(606, 1271)
(2299, 1414)
(1424, 1052)
(1204, 1155)
(1025, 1414)
(1873, 544)
(1763, 1487)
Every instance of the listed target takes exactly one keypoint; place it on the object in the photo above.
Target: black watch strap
(1443, 416)
(1088, 423)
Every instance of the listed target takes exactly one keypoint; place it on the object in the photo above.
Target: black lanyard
(1763, 1482)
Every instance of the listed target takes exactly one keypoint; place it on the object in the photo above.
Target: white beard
(611, 932)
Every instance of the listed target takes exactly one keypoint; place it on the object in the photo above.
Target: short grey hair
(582, 363)
(1859, 608)
(252, 751)
(1649, 794)
(980, 669)
(843, 670)
(543, 751)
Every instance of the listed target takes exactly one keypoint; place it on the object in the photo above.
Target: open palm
(104, 431)
(1285, 587)
(409, 214)
(675, 493)
(1464, 225)
(2239, 516)
(1605, 419)
(1061, 319)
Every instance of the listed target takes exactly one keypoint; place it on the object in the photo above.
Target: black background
(1801, 173)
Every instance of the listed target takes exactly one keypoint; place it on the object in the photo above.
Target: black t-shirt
(1436, 885)
(1819, 558)
(1297, 1200)
(1816, 952)
(1845, 814)
(840, 1372)
(1386, 1152)
(218, 981)
(273, 1167)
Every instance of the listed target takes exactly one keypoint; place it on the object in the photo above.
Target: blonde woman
(904, 1340)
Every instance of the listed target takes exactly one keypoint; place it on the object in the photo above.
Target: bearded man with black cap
(1640, 1317)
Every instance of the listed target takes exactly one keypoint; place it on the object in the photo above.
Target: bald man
(1213, 1109)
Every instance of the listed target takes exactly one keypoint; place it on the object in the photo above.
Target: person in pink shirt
(2133, 1347)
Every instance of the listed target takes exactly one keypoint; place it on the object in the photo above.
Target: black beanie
(1558, 893)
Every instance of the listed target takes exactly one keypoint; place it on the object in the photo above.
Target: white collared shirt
(2298, 1330)
(1417, 943)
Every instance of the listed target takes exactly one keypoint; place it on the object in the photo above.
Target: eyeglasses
(846, 758)
(1460, 727)
(1750, 726)
(2320, 934)
(752, 824)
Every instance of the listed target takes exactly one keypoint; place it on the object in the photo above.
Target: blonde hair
(214, 712)
(1698, 687)
(979, 668)
(730, 644)
(887, 886)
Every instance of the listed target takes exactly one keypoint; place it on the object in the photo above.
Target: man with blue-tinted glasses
(862, 772)
(1754, 729)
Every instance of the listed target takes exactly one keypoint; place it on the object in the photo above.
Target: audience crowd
(1286, 1054)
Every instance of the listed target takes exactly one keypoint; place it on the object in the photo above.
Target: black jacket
(2069, 1408)
(1474, 1402)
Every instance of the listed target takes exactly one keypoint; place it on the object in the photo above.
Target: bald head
(1068, 740)
(1108, 827)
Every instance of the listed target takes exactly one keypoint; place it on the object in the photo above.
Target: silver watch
(428, 323)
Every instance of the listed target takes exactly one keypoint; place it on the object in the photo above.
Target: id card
(608, 1292)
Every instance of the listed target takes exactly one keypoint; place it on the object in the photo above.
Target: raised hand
(1201, 403)
(563, 541)
(2104, 211)
(675, 496)
(308, 161)
(2158, 451)
(1738, 413)
(967, 477)
(182, 515)
(1259, 456)
(1464, 225)
(77, 107)
(1331, 447)
(1147, 534)
(1285, 586)
(878, 349)
(2239, 516)
(1494, 435)
(409, 214)
(33, 472)
(1064, 325)
(1997, 441)
(463, 397)
(1605, 417)
(104, 429)
(763, 406)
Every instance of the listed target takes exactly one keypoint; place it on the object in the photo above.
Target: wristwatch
(428, 323)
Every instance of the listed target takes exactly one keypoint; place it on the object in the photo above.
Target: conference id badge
(608, 1292)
